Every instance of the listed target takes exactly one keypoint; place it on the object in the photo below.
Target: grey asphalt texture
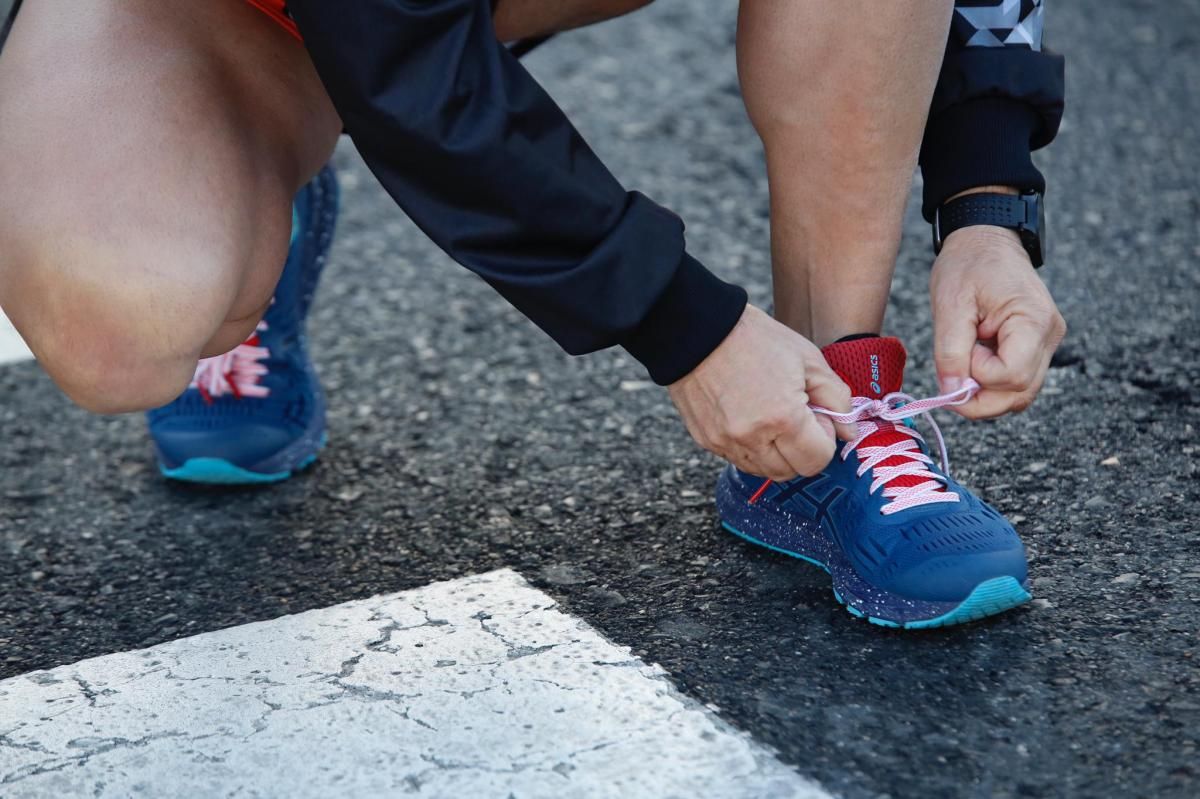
(463, 440)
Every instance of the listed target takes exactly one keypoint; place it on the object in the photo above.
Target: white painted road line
(476, 687)
(12, 347)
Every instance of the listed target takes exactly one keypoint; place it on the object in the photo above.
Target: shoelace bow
(868, 414)
(237, 372)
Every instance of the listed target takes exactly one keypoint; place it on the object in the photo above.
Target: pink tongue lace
(237, 372)
(903, 458)
(898, 466)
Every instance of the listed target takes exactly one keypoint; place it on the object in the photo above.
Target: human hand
(993, 320)
(748, 400)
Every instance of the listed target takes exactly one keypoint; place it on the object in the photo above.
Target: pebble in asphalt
(463, 441)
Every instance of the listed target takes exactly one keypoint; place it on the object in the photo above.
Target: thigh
(524, 19)
(149, 150)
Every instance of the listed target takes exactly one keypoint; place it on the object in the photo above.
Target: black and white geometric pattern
(998, 23)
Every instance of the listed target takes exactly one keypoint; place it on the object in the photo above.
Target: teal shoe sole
(987, 599)
(220, 472)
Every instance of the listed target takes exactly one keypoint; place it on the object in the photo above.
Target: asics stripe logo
(818, 506)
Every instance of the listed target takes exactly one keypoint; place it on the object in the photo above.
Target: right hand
(748, 400)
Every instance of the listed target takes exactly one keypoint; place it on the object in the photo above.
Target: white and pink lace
(870, 415)
(237, 372)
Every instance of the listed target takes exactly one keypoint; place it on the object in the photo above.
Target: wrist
(984, 237)
(994, 189)
(993, 214)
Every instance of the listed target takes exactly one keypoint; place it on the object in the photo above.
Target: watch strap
(1023, 213)
(1001, 210)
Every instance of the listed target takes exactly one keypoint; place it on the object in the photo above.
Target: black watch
(1023, 213)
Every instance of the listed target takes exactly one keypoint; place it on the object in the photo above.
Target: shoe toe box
(245, 445)
(945, 557)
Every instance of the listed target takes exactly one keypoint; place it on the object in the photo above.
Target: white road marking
(12, 347)
(476, 687)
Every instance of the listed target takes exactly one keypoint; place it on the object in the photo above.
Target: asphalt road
(463, 441)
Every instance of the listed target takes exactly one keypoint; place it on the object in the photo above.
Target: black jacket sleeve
(999, 97)
(488, 166)
(9, 18)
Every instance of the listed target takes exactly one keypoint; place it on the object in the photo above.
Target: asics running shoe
(257, 414)
(905, 545)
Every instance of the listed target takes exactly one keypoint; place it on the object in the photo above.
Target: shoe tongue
(871, 366)
(874, 366)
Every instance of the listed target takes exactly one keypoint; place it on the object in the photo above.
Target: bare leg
(521, 19)
(149, 152)
(839, 93)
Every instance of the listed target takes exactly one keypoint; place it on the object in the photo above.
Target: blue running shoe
(905, 544)
(257, 414)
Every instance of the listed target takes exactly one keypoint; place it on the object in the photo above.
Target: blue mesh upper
(937, 552)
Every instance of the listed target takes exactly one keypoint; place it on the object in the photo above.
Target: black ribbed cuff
(981, 142)
(688, 321)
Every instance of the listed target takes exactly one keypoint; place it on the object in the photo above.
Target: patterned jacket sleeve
(998, 98)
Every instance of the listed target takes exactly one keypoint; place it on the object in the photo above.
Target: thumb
(826, 389)
(955, 331)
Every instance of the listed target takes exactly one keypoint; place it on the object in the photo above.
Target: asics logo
(817, 506)
(875, 375)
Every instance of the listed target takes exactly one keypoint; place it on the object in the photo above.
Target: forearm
(486, 164)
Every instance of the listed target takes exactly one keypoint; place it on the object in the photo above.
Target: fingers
(827, 390)
(1017, 361)
(834, 431)
(956, 320)
(1012, 375)
(748, 400)
(806, 445)
(780, 448)
(984, 289)
(770, 462)
(989, 404)
(800, 443)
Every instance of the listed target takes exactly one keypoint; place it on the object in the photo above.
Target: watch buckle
(1027, 201)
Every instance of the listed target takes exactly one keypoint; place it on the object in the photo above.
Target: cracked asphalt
(462, 441)
(498, 694)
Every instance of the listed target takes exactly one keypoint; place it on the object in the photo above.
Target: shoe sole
(220, 472)
(987, 599)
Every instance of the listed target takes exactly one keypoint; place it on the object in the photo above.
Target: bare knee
(135, 243)
(118, 300)
(102, 377)
(119, 312)
(126, 343)
(106, 354)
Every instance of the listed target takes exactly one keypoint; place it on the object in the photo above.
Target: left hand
(993, 320)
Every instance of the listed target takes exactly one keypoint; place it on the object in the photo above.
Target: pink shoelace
(868, 414)
(237, 372)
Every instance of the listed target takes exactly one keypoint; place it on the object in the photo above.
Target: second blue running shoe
(257, 414)
(905, 544)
